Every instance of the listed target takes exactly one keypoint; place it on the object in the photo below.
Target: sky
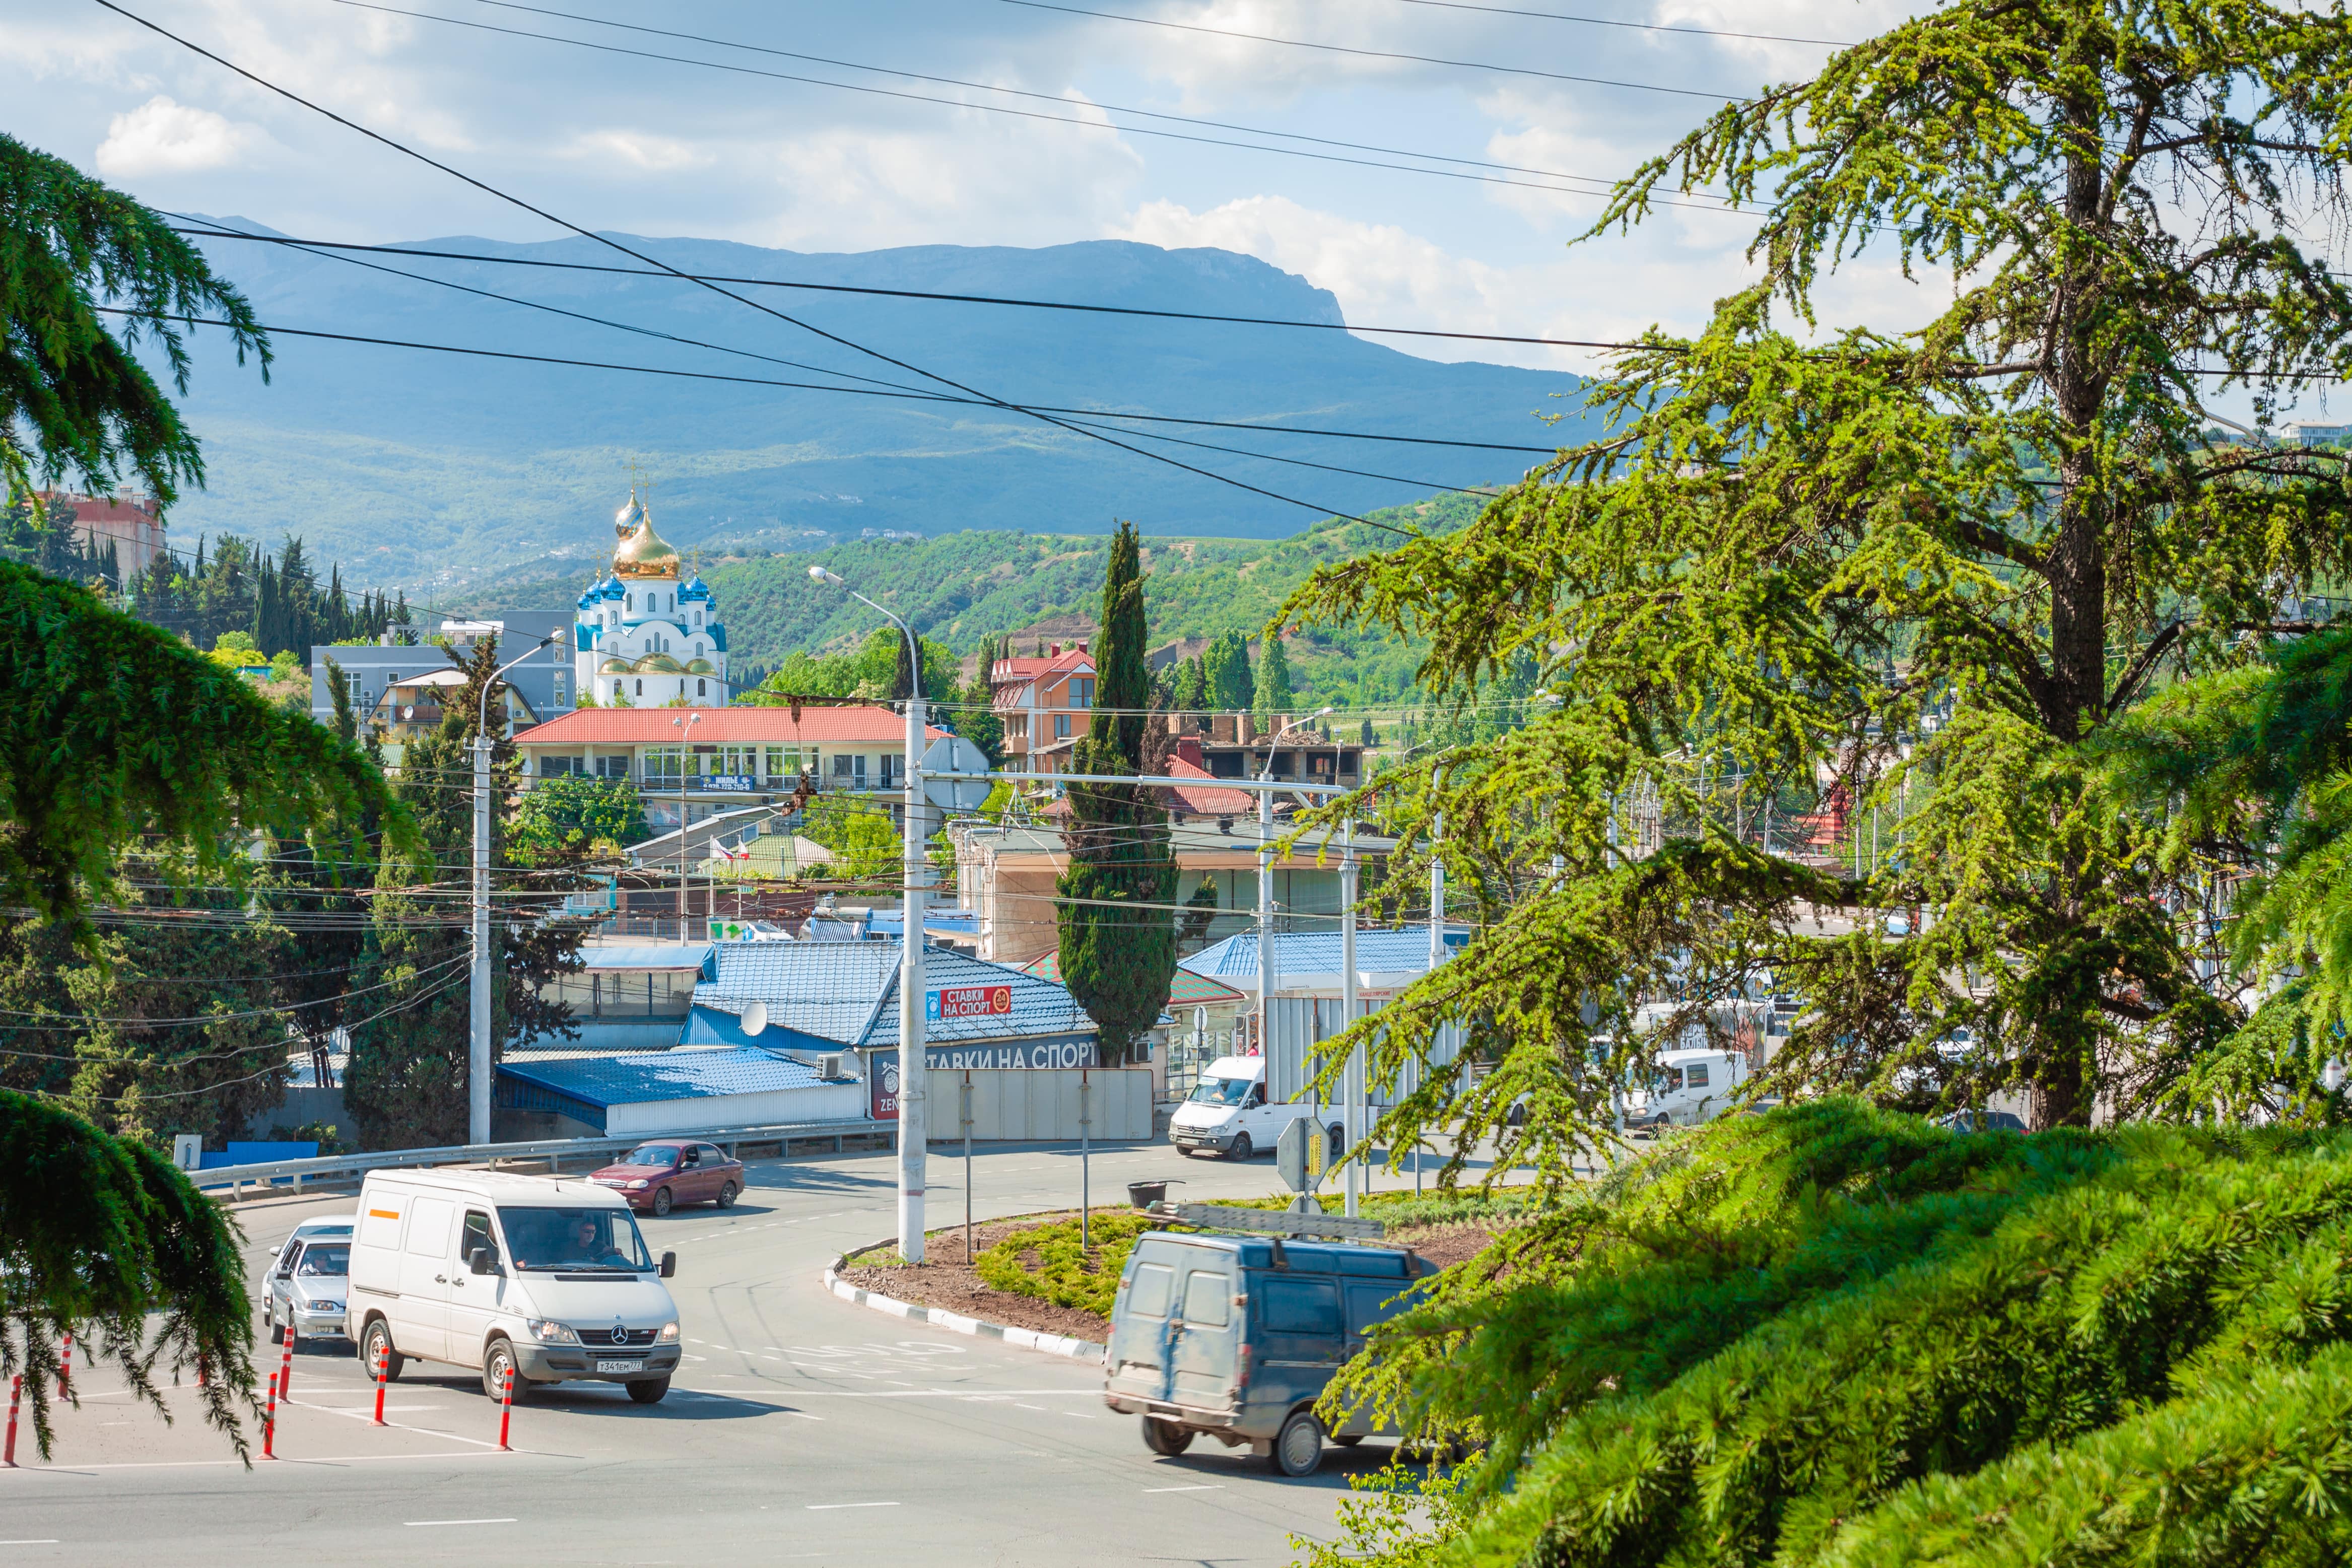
(627, 142)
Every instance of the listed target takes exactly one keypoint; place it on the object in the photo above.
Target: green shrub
(1062, 1274)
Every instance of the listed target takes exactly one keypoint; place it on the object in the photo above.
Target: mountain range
(452, 474)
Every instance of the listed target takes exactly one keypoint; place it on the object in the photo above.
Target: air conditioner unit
(829, 1067)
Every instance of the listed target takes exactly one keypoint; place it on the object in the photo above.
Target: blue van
(1236, 1336)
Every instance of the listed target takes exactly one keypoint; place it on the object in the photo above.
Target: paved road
(801, 1428)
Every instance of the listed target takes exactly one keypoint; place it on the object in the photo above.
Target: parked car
(303, 1286)
(1982, 1121)
(1227, 1113)
(657, 1176)
(1236, 1336)
(544, 1278)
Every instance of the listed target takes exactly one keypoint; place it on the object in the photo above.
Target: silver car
(309, 1283)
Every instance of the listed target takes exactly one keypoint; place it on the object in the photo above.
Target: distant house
(1044, 704)
(131, 522)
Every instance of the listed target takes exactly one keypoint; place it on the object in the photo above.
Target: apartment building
(1045, 703)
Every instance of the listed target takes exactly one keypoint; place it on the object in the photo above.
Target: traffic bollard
(286, 1372)
(65, 1369)
(15, 1393)
(269, 1422)
(505, 1406)
(382, 1356)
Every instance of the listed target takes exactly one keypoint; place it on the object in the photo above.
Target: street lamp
(478, 1045)
(914, 1096)
(684, 724)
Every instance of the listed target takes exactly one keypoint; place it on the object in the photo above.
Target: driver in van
(589, 1246)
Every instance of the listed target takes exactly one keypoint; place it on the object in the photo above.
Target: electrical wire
(74, 1020)
(608, 240)
(1599, 184)
(1377, 54)
(215, 233)
(1611, 22)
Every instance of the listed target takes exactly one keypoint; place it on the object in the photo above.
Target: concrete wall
(823, 1102)
(1042, 1104)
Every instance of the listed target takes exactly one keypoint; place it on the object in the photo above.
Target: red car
(656, 1176)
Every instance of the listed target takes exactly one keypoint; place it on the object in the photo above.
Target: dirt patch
(947, 1278)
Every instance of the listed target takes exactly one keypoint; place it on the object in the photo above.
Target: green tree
(1225, 668)
(866, 847)
(1117, 961)
(1274, 698)
(562, 821)
(1192, 692)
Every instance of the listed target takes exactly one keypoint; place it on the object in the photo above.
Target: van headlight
(669, 1333)
(548, 1332)
(638, 1185)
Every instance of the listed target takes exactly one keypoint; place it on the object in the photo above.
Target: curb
(939, 1317)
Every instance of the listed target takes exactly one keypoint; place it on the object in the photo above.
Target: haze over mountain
(425, 469)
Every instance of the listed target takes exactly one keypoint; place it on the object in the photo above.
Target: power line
(1376, 54)
(1639, 26)
(322, 245)
(863, 392)
(542, 212)
(1604, 184)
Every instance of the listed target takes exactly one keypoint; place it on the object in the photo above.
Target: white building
(642, 638)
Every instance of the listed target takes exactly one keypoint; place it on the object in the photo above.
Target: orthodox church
(643, 638)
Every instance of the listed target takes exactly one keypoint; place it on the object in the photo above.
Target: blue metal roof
(890, 922)
(1318, 953)
(835, 995)
(641, 1076)
(671, 956)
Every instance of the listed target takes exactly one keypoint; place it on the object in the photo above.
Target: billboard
(968, 1002)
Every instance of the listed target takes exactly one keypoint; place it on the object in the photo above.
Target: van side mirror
(669, 1265)
(478, 1260)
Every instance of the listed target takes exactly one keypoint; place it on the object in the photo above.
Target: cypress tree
(1274, 697)
(1117, 961)
(1191, 686)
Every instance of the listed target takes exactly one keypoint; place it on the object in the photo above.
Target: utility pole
(914, 1093)
(478, 1034)
(1354, 1084)
(684, 724)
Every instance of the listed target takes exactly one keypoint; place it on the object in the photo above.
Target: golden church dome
(644, 553)
(660, 665)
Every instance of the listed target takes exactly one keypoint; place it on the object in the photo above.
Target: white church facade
(643, 637)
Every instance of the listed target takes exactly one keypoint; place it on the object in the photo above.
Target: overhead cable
(1612, 22)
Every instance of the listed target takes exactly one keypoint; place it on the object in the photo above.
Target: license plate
(620, 1366)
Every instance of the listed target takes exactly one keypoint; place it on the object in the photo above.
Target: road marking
(44, 1540)
(1149, 1490)
(1081, 1415)
(821, 1507)
(1039, 1409)
(422, 1523)
(804, 1415)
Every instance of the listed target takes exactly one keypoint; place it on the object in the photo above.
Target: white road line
(804, 1415)
(1081, 1415)
(43, 1540)
(1149, 1490)
(422, 1523)
(1039, 1409)
(821, 1507)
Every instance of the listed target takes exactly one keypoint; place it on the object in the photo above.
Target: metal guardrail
(555, 1150)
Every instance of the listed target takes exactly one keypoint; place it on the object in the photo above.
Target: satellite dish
(755, 1018)
(954, 753)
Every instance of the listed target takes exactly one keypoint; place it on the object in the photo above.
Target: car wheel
(496, 1366)
(648, 1390)
(1242, 1149)
(1166, 1436)
(662, 1201)
(1348, 1441)
(726, 1195)
(1299, 1446)
(376, 1345)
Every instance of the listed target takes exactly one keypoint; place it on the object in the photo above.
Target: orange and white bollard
(269, 1422)
(505, 1406)
(65, 1369)
(16, 1394)
(286, 1372)
(383, 1358)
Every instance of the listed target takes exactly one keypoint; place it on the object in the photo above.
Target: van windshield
(575, 1238)
(1221, 1091)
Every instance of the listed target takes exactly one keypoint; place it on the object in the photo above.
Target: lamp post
(1265, 898)
(913, 1075)
(684, 724)
(478, 1042)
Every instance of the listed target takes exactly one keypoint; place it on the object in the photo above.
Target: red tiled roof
(1198, 802)
(862, 725)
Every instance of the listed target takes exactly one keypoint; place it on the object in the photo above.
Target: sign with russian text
(969, 1002)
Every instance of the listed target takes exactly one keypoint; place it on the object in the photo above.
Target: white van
(1692, 1086)
(542, 1276)
(1227, 1113)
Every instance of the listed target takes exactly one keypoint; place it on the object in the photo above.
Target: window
(1694, 1075)
(1061, 727)
(665, 765)
(641, 688)
(698, 687)
(697, 622)
(322, 1259)
(575, 1238)
(1148, 1293)
(784, 763)
(476, 1234)
(1300, 1307)
(613, 766)
(889, 770)
(1082, 691)
(558, 688)
(1206, 1297)
(633, 603)
(841, 766)
(558, 766)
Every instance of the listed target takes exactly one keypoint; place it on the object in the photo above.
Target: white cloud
(161, 137)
